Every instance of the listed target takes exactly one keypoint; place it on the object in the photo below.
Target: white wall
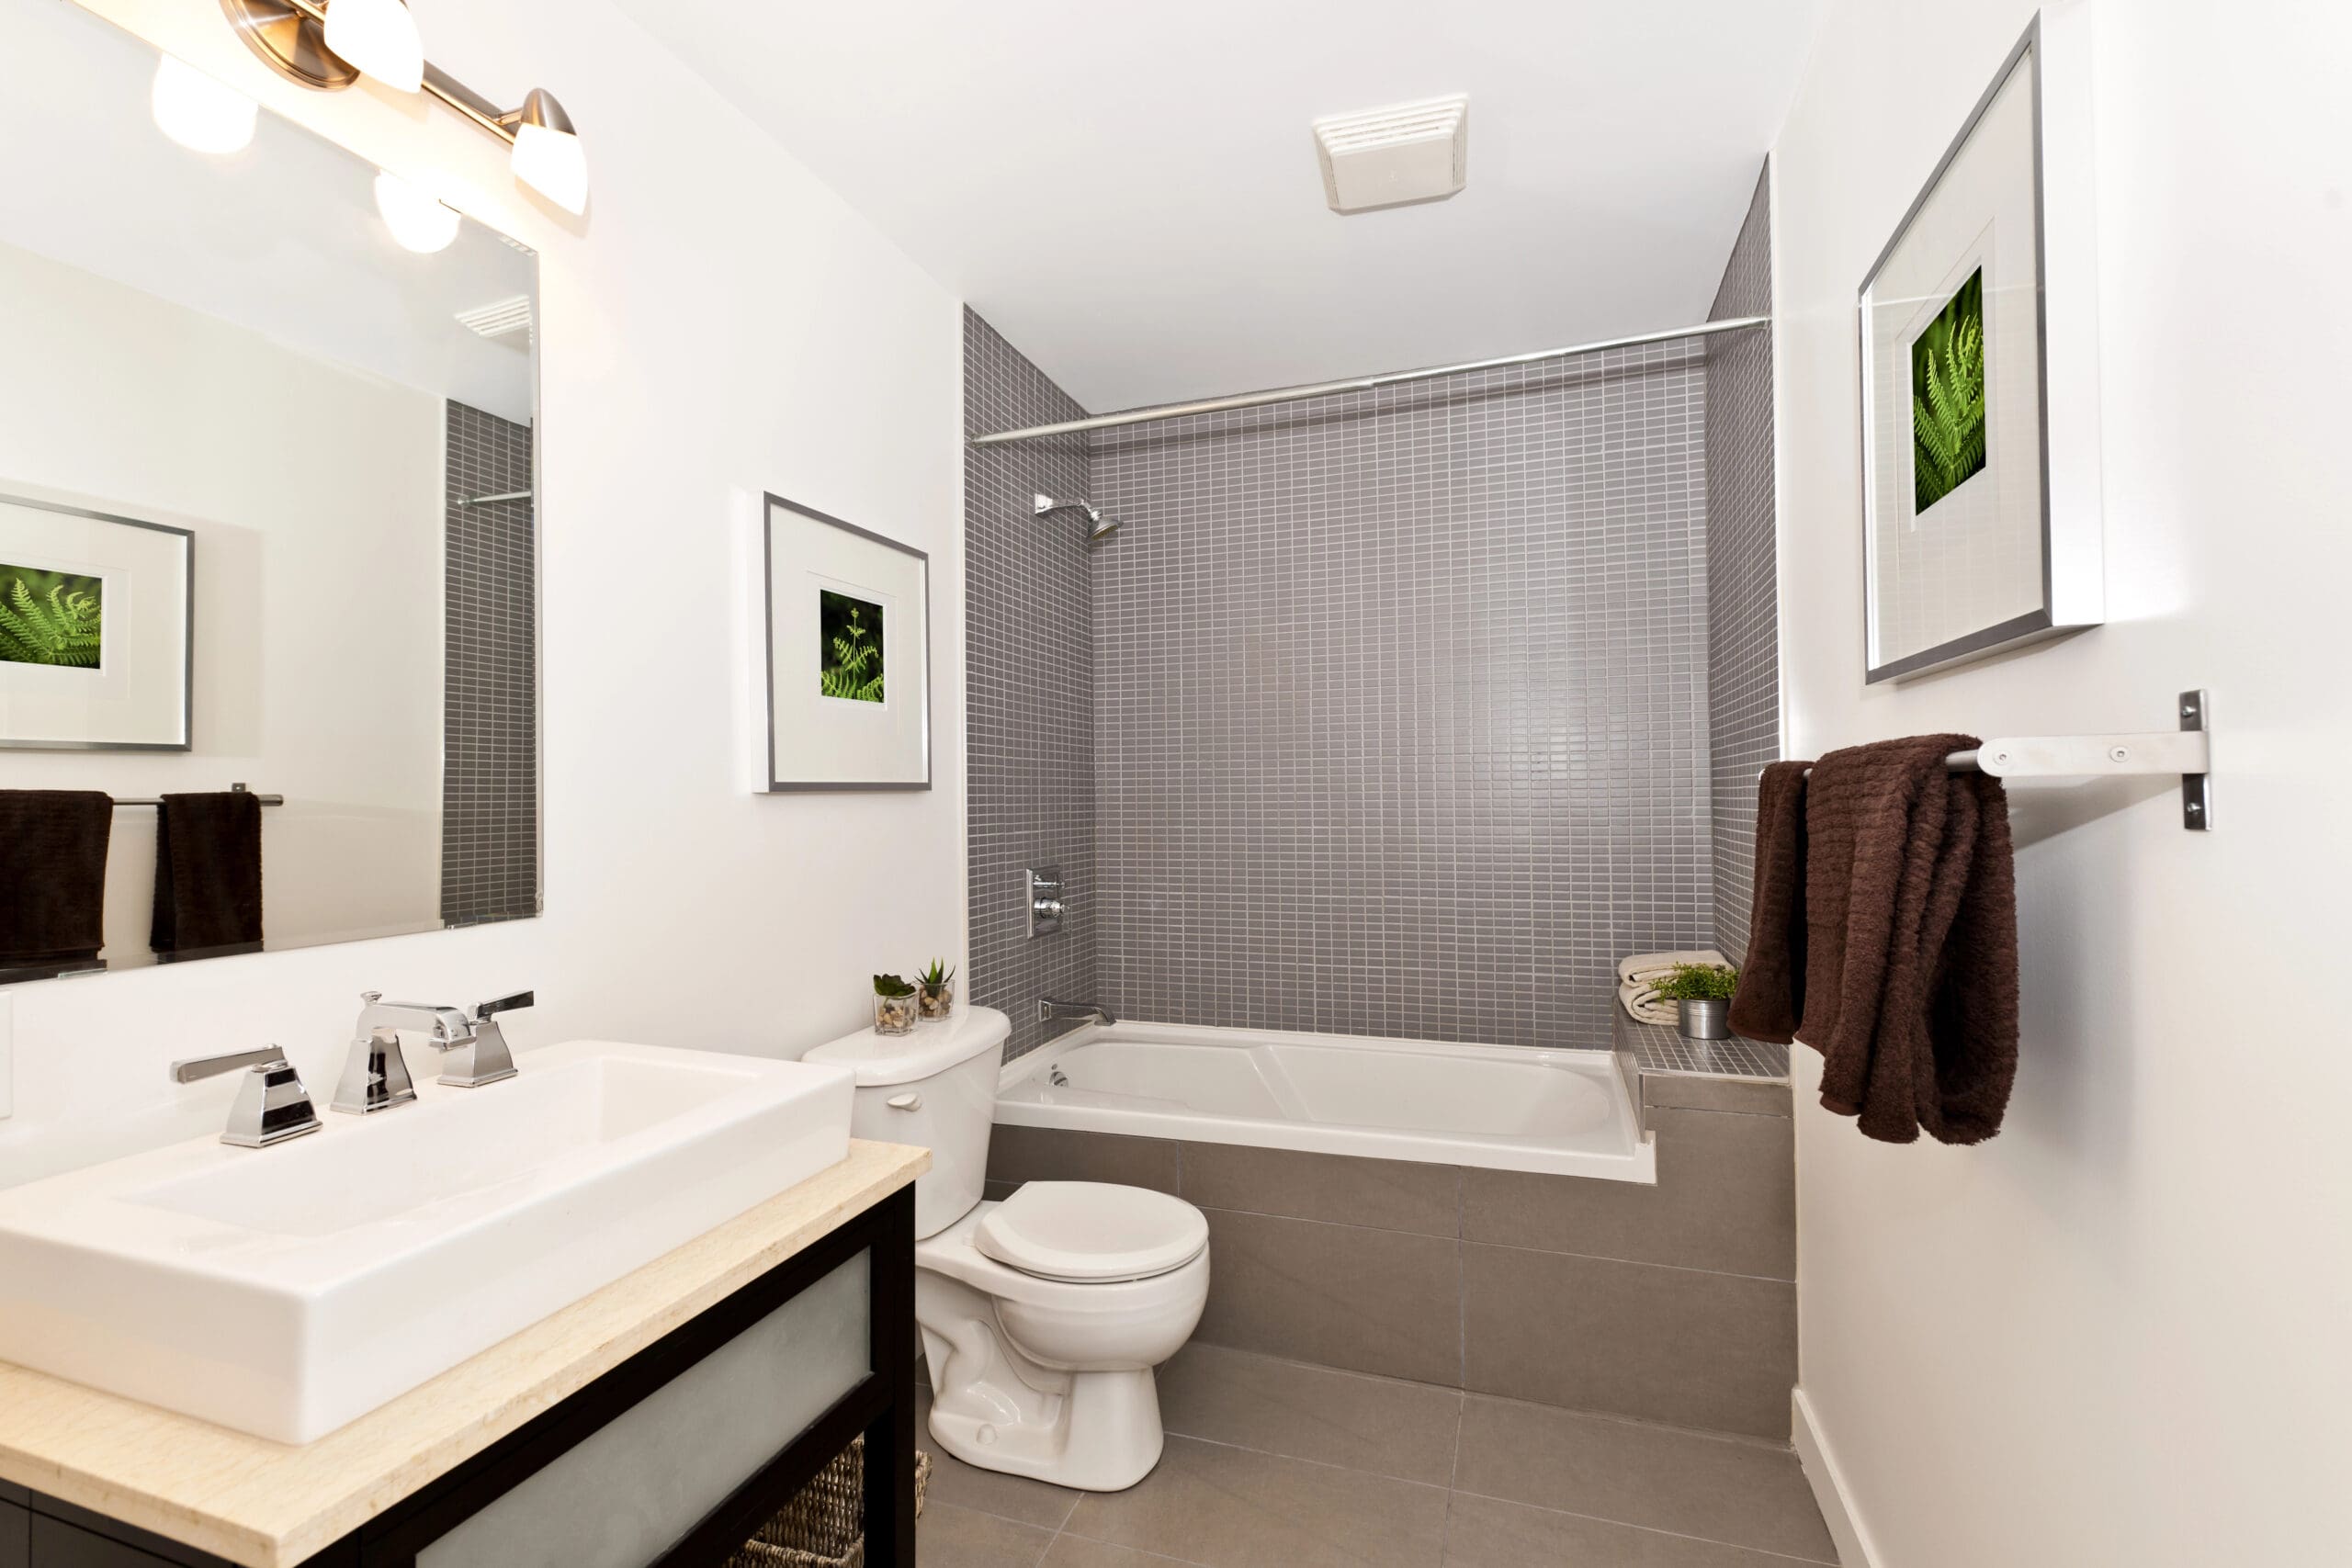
(719, 322)
(318, 588)
(2117, 1334)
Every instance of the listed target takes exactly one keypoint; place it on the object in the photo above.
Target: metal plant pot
(1707, 1020)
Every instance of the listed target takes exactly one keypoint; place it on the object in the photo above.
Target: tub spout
(1048, 1009)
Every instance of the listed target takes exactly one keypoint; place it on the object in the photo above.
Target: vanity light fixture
(379, 37)
(199, 112)
(418, 221)
(303, 42)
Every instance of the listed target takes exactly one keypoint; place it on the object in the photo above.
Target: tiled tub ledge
(1674, 1303)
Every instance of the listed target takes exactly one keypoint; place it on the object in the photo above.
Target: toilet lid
(1091, 1231)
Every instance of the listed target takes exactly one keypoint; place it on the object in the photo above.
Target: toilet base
(1102, 1435)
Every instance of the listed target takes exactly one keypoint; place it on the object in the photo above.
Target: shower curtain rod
(1358, 383)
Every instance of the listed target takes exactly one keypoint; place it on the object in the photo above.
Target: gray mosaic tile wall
(1029, 688)
(1743, 612)
(1401, 714)
(490, 761)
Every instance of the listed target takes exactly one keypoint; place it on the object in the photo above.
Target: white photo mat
(820, 741)
(136, 697)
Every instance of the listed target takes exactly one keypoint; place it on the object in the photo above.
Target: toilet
(1043, 1313)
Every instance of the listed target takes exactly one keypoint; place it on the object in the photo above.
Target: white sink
(284, 1292)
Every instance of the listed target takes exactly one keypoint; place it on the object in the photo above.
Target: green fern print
(1948, 397)
(849, 650)
(50, 618)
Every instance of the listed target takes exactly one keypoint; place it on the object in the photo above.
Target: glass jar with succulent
(937, 986)
(894, 1005)
(1704, 991)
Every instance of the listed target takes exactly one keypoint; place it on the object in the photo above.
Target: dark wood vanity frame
(39, 1531)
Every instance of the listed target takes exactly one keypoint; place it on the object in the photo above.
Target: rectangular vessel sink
(285, 1291)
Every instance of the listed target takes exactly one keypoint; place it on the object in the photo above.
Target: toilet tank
(937, 1088)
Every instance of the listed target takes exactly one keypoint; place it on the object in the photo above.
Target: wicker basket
(825, 1526)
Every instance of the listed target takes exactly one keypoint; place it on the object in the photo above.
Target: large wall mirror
(267, 535)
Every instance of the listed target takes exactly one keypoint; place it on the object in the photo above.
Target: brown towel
(1770, 998)
(1910, 991)
(52, 876)
(208, 873)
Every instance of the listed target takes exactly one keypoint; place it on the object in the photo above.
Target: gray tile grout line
(1460, 1241)
(1450, 1488)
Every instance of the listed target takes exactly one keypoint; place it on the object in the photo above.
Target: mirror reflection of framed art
(96, 631)
(1981, 518)
(848, 655)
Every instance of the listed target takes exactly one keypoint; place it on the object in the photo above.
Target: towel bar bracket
(2186, 751)
(2197, 785)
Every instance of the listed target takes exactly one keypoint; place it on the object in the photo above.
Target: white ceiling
(1129, 192)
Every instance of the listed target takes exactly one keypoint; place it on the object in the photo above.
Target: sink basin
(285, 1291)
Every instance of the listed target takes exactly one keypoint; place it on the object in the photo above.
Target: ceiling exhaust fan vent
(501, 319)
(1386, 157)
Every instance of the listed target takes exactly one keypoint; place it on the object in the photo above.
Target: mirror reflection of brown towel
(208, 873)
(52, 876)
(1905, 975)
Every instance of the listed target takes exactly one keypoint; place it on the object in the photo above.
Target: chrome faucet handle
(484, 1058)
(271, 1105)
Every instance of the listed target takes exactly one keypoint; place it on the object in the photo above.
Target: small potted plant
(894, 1005)
(1704, 991)
(937, 986)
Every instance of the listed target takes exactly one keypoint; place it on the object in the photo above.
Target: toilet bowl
(1043, 1314)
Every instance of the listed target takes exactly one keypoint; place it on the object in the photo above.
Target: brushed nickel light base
(290, 41)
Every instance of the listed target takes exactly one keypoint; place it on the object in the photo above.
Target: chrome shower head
(1099, 525)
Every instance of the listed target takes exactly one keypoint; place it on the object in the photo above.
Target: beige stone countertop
(268, 1505)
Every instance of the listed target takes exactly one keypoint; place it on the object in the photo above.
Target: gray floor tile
(1485, 1533)
(1404, 1429)
(962, 1485)
(949, 1537)
(1076, 1551)
(1725, 1489)
(1226, 1508)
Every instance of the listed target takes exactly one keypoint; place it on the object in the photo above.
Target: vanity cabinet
(671, 1459)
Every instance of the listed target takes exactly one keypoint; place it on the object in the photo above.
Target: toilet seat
(1091, 1232)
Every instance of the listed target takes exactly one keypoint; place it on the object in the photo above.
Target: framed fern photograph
(96, 620)
(848, 676)
(50, 617)
(1968, 549)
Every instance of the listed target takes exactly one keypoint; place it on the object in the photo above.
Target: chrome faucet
(271, 1105)
(375, 1075)
(1048, 1009)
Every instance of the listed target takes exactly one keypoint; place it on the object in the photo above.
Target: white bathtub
(1507, 1107)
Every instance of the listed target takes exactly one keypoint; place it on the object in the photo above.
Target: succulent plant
(934, 979)
(891, 985)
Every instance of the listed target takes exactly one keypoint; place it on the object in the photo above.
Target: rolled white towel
(1647, 1006)
(1648, 965)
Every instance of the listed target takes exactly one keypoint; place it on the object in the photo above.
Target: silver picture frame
(776, 781)
(186, 536)
(2065, 522)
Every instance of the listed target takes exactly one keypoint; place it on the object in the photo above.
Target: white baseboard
(1828, 1483)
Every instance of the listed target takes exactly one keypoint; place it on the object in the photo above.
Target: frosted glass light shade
(418, 221)
(199, 113)
(379, 37)
(548, 156)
